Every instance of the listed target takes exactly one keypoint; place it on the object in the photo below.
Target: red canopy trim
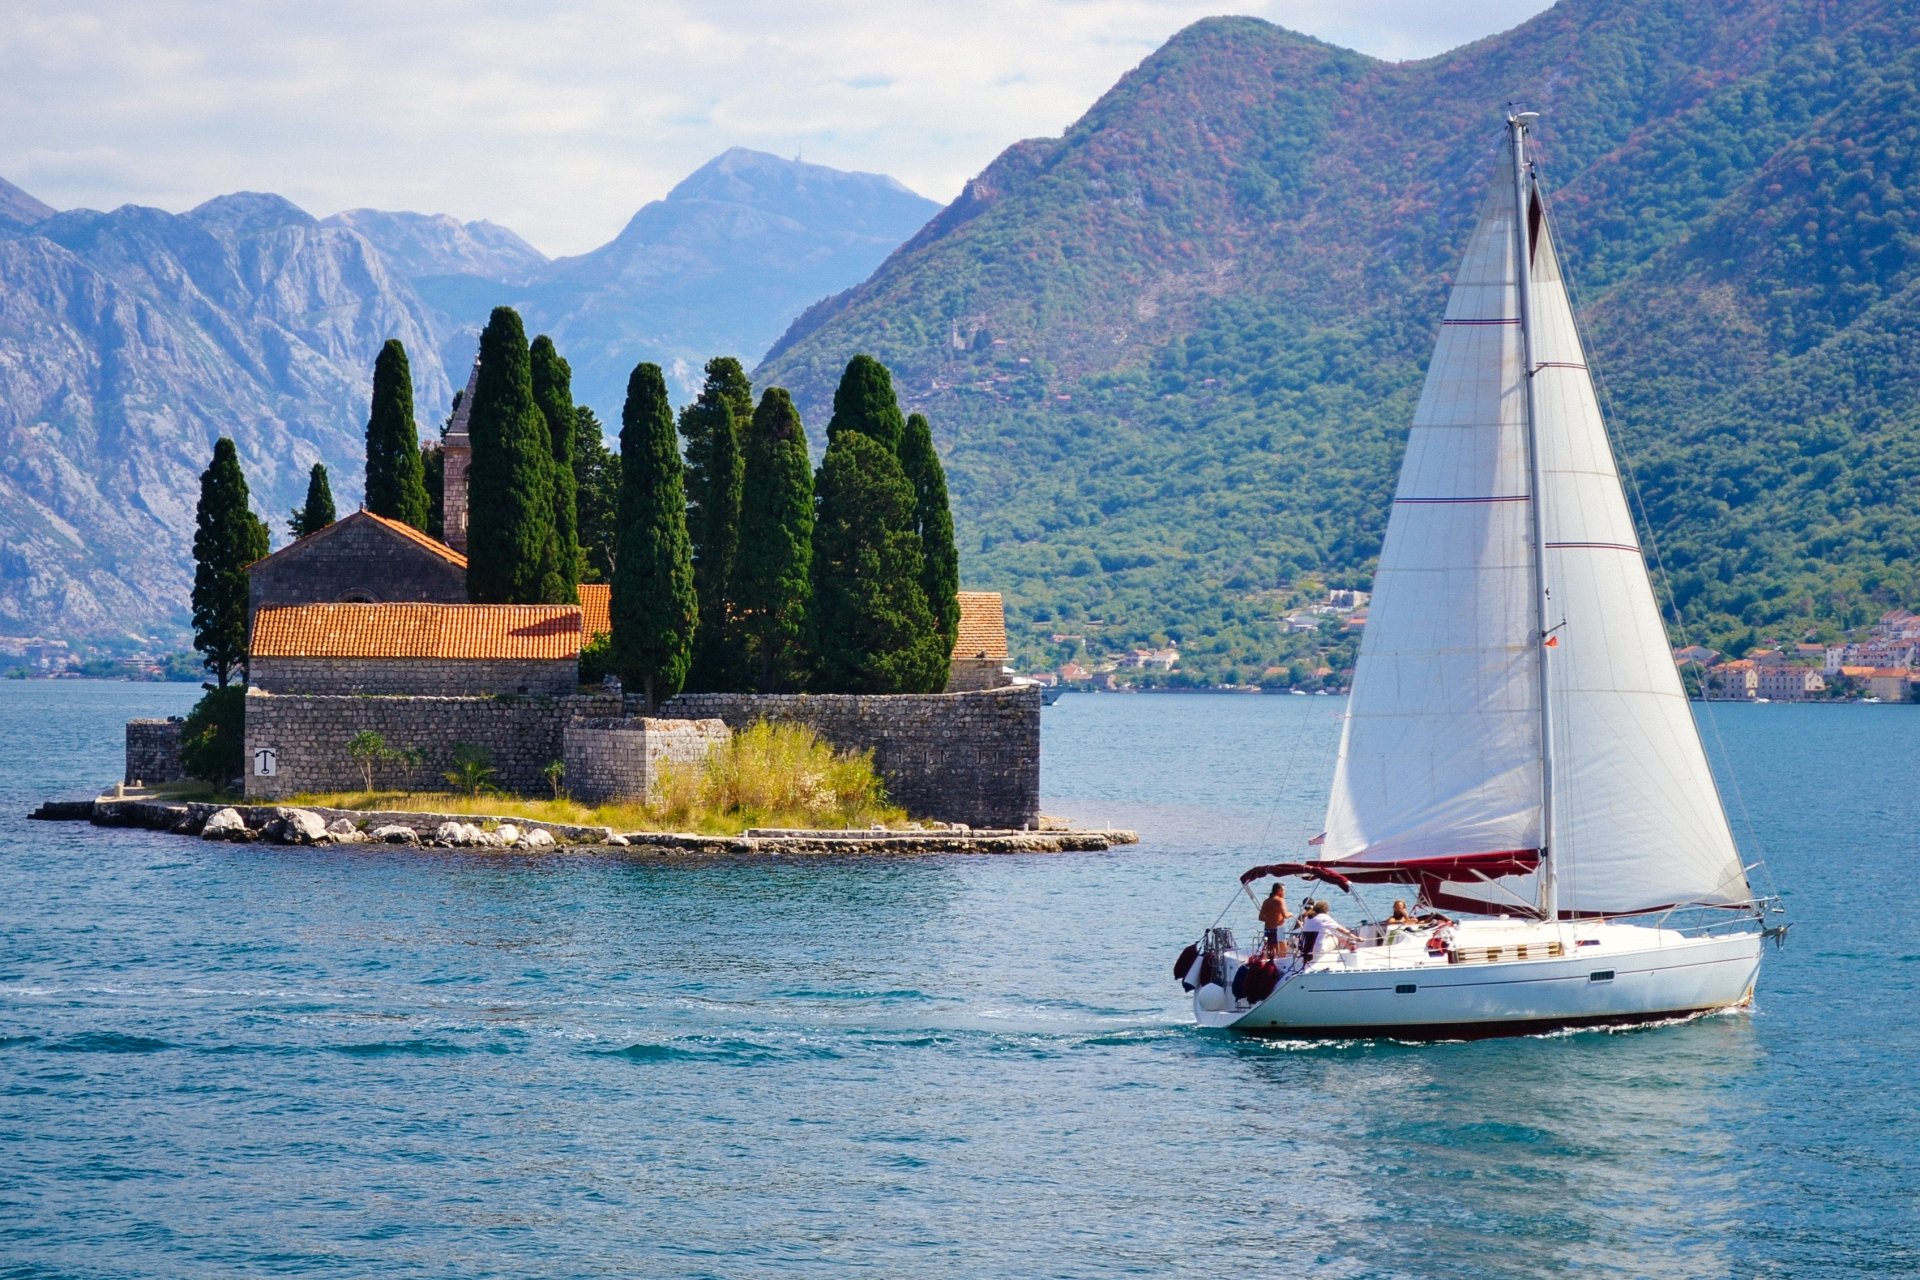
(1311, 870)
(1466, 868)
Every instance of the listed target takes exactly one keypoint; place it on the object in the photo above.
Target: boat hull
(1673, 978)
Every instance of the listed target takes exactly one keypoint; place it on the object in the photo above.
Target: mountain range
(130, 340)
(1171, 355)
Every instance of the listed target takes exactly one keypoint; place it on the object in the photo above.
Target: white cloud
(561, 121)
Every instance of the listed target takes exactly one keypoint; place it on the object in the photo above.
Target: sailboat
(1518, 748)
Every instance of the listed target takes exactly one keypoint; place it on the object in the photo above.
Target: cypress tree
(510, 551)
(396, 478)
(433, 457)
(227, 538)
(317, 514)
(864, 402)
(933, 518)
(873, 630)
(772, 583)
(553, 393)
(596, 472)
(711, 428)
(653, 603)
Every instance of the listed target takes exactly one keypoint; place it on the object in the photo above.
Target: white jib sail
(1441, 751)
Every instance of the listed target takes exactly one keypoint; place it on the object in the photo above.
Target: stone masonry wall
(620, 758)
(153, 751)
(308, 738)
(427, 677)
(965, 675)
(957, 757)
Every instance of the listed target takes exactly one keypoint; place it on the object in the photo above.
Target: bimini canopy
(1310, 870)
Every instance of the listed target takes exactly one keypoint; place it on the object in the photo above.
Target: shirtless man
(1273, 914)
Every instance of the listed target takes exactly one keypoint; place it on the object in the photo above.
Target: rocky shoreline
(289, 825)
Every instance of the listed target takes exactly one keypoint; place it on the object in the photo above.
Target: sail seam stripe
(1607, 546)
(1514, 320)
(1517, 497)
(1559, 364)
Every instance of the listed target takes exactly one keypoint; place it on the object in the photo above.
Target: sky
(560, 120)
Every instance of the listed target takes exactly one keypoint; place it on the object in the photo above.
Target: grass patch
(769, 775)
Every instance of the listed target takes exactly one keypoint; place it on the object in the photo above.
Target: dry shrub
(773, 775)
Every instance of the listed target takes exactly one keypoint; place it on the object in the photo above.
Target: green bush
(213, 742)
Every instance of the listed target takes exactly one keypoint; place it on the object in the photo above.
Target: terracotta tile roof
(596, 602)
(447, 631)
(405, 530)
(983, 626)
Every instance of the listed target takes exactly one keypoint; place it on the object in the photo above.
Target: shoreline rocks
(288, 825)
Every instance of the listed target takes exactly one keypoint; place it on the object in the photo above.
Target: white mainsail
(1442, 755)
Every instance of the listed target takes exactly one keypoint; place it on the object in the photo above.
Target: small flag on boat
(1553, 642)
(1319, 839)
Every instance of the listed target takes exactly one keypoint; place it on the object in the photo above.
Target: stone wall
(307, 738)
(153, 751)
(956, 757)
(965, 675)
(429, 677)
(619, 758)
(362, 560)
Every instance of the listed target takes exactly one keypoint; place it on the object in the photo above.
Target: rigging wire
(1609, 419)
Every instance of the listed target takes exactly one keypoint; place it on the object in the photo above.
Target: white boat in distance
(1518, 747)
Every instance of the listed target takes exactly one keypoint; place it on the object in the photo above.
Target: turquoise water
(220, 1060)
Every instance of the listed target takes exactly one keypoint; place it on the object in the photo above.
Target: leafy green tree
(864, 402)
(933, 518)
(317, 514)
(510, 546)
(213, 741)
(873, 631)
(653, 603)
(596, 471)
(710, 427)
(396, 479)
(227, 538)
(553, 393)
(772, 575)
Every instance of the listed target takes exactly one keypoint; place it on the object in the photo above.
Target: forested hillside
(1172, 355)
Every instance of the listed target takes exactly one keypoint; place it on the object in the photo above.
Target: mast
(1517, 125)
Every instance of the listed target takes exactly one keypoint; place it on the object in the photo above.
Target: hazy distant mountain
(719, 267)
(1173, 354)
(130, 340)
(18, 207)
(434, 244)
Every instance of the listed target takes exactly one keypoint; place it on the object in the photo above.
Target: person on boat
(1273, 914)
(1315, 927)
(1401, 916)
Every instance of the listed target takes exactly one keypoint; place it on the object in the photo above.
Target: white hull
(1656, 974)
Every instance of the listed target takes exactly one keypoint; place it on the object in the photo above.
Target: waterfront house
(1780, 683)
(1889, 684)
(433, 650)
(1738, 680)
(1695, 653)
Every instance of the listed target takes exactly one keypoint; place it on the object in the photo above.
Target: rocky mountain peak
(250, 213)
